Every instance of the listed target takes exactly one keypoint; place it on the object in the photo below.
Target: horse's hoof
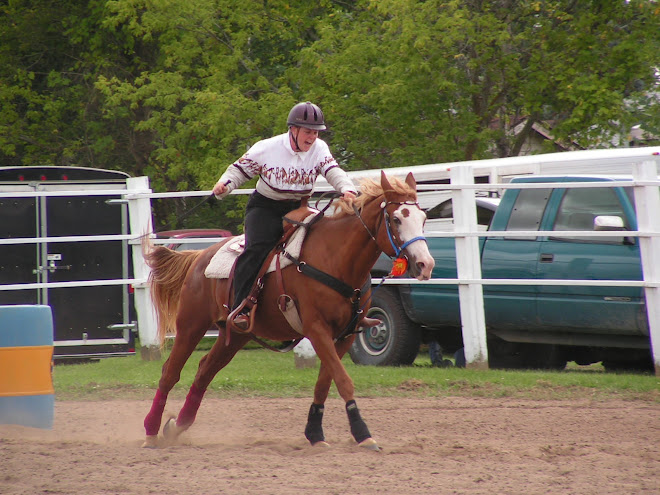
(322, 444)
(171, 430)
(151, 442)
(369, 444)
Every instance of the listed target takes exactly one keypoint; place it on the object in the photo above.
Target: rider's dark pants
(263, 228)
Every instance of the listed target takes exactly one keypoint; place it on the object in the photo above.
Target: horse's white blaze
(410, 225)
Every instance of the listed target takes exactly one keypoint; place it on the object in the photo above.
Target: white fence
(640, 162)
(647, 198)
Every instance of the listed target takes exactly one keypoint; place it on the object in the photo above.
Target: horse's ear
(410, 180)
(384, 183)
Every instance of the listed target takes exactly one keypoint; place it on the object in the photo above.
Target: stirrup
(242, 321)
(237, 313)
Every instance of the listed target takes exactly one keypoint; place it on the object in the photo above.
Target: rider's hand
(349, 197)
(220, 189)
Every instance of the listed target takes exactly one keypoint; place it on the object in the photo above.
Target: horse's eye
(397, 221)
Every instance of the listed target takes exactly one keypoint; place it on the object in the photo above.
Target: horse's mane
(369, 190)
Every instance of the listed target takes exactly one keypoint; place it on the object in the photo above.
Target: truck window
(441, 216)
(579, 207)
(528, 210)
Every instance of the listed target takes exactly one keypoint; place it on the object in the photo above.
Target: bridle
(354, 294)
(386, 216)
(399, 249)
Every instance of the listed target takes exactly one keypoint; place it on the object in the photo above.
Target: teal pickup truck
(529, 326)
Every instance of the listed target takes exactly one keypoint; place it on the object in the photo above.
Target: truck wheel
(544, 357)
(395, 341)
(517, 355)
(505, 355)
(623, 365)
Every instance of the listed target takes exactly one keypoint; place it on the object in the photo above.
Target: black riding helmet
(306, 115)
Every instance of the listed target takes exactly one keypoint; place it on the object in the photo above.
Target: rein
(397, 250)
(270, 347)
(330, 281)
(316, 218)
(357, 214)
(334, 283)
(308, 270)
(338, 285)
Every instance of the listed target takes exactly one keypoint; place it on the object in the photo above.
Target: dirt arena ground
(447, 445)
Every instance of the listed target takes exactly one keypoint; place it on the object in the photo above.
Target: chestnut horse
(384, 218)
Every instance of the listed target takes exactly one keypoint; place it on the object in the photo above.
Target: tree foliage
(176, 90)
(439, 81)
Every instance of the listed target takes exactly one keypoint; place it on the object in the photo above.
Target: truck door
(583, 309)
(513, 306)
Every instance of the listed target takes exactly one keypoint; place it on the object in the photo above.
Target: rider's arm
(236, 174)
(340, 181)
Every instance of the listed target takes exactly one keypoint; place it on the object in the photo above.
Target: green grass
(262, 373)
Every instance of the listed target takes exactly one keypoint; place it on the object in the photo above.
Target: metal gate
(88, 321)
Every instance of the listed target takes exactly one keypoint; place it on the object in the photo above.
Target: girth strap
(285, 303)
(337, 285)
(334, 283)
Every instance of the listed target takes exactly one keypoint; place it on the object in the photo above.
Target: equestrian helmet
(306, 115)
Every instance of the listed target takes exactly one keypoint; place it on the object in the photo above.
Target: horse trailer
(90, 321)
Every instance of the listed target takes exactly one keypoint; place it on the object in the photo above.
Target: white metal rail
(470, 282)
(642, 162)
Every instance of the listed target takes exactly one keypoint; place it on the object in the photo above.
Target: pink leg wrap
(190, 407)
(153, 419)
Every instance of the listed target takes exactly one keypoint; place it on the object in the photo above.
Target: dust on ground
(450, 445)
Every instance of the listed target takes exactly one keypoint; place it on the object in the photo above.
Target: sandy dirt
(449, 445)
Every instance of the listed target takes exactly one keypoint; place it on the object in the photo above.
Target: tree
(215, 87)
(215, 84)
(599, 56)
(50, 56)
(440, 81)
(176, 90)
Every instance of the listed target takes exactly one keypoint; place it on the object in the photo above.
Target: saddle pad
(221, 263)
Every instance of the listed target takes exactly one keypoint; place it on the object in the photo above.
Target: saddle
(290, 223)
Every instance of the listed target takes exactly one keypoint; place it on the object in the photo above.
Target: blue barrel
(27, 396)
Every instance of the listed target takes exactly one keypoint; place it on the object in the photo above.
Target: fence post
(139, 213)
(647, 201)
(468, 266)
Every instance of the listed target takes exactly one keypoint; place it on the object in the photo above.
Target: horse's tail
(168, 271)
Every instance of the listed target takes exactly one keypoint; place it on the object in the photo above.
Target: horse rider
(287, 165)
